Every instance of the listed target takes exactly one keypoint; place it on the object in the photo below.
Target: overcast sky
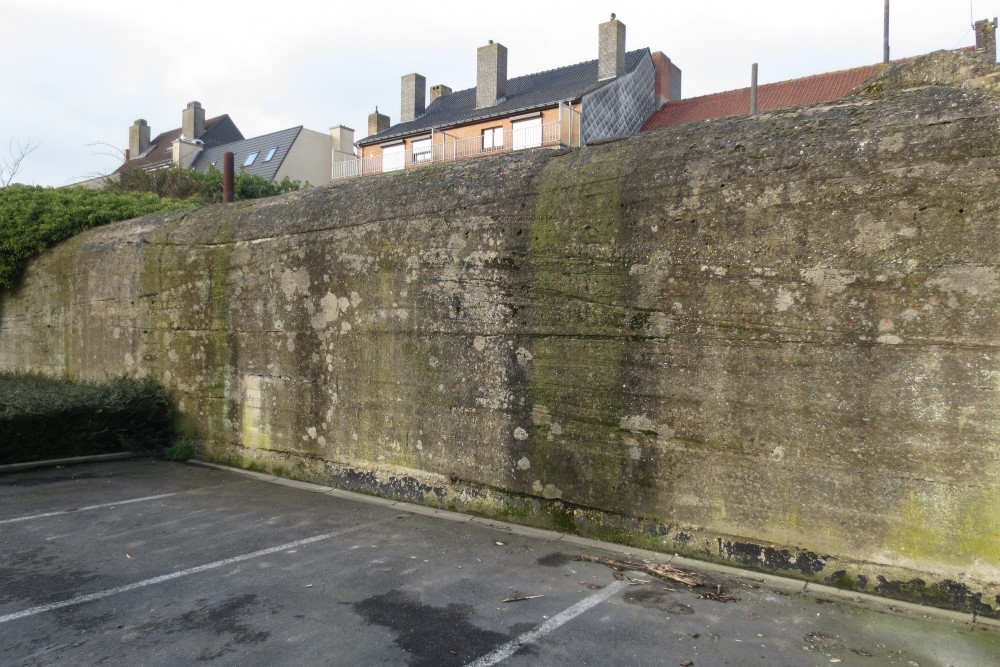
(77, 73)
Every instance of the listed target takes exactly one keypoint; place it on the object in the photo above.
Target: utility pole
(885, 36)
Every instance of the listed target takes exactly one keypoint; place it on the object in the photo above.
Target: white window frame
(493, 138)
(394, 157)
(423, 150)
(526, 133)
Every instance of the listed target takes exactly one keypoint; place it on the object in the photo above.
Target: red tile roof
(797, 92)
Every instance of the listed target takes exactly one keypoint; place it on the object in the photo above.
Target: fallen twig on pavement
(658, 570)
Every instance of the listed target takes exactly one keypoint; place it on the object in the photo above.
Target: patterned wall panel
(621, 107)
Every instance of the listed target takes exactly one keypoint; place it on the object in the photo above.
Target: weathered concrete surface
(769, 341)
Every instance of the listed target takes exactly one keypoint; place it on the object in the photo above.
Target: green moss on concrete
(580, 276)
(200, 343)
(952, 526)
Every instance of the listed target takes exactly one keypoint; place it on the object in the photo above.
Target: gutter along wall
(768, 341)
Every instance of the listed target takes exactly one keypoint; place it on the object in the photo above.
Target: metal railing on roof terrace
(490, 142)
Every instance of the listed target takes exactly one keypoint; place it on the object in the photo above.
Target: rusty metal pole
(885, 35)
(228, 168)
(753, 89)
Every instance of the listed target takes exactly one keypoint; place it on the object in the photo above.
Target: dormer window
(250, 158)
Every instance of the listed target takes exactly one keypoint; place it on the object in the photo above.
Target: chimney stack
(986, 39)
(377, 122)
(342, 139)
(193, 121)
(611, 49)
(413, 94)
(439, 90)
(491, 74)
(138, 138)
(668, 79)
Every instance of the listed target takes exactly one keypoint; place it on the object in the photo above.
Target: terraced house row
(619, 93)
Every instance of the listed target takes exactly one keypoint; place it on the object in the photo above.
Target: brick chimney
(668, 79)
(377, 122)
(412, 95)
(193, 121)
(439, 90)
(138, 139)
(986, 39)
(610, 49)
(491, 74)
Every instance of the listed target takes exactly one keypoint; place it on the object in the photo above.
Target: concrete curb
(76, 460)
(791, 586)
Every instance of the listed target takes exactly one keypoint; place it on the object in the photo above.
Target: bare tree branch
(110, 150)
(12, 164)
(109, 177)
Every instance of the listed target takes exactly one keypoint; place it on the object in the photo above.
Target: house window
(422, 150)
(527, 133)
(492, 138)
(393, 157)
(251, 158)
(270, 154)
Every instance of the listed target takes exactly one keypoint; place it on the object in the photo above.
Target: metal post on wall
(753, 89)
(228, 168)
(885, 35)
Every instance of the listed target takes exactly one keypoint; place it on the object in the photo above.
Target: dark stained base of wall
(460, 496)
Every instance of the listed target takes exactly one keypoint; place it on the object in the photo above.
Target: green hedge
(46, 418)
(180, 183)
(35, 218)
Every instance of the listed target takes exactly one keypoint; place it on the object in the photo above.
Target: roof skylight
(251, 158)
(270, 154)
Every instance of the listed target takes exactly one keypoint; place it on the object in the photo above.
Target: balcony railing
(490, 143)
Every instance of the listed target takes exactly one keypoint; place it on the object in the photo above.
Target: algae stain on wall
(579, 449)
(187, 338)
(958, 526)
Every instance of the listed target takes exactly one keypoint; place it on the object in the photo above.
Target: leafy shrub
(33, 219)
(44, 418)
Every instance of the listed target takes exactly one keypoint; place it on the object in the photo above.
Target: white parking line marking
(511, 647)
(90, 597)
(88, 507)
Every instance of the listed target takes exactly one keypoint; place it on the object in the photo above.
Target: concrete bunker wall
(768, 341)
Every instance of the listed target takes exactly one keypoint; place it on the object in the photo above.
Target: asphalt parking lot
(146, 562)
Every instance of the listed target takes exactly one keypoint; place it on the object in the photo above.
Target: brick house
(595, 100)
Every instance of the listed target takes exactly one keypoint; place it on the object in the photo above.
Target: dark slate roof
(524, 93)
(281, 140)
(218, 130)
(808, 90)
